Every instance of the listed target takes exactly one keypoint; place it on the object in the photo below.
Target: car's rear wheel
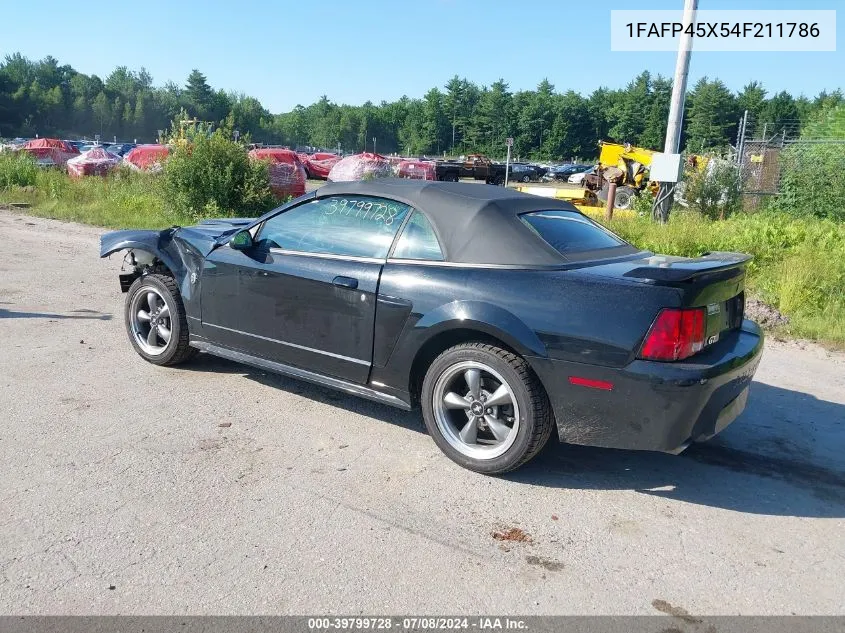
(156, 322)
(485, 408)
(526, 178)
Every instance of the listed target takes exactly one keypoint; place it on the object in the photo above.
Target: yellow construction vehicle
(584, 200)
(627, 165)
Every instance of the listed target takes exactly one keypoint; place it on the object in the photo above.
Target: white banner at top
(724, 30)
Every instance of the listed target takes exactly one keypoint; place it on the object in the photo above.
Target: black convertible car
(502, 315)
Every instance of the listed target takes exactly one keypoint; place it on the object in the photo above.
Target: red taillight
(675, 334)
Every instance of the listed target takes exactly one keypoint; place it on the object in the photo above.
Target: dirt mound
(764, 314)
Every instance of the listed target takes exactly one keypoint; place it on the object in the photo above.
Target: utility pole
(509, 142)
(666, 193)
(740, 138)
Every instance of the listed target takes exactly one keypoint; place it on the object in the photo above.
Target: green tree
(780, 113)
(247, 113)
(101, 108)
(752, 98)
(828, 123)
(534, 118)
(458, 103)
(49, 98)
(128, 119)
(122, 81)
(711, 116)
(631, 109)
(436, 129)
(199, 94)
(53, 107)
(600, 104)
(492, 117)
(139, 118)
(653, 134)
(825, 100)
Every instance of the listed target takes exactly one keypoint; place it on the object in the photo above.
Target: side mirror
(241, 241)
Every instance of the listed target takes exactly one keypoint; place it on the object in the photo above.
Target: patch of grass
(17, 169)
(798, 266)
(124, 199)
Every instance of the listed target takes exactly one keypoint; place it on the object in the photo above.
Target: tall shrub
(212, 175)
(813, 180)
(715, 190)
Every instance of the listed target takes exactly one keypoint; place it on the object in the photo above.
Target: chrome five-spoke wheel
(151, 321)
(156, 321)
(475, 410)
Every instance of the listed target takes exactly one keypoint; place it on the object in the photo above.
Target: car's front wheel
(485, 408)
(156, 322)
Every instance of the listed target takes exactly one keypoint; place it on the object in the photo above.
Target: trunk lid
(715, 281)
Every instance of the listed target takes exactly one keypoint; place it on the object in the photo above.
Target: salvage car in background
(50, 152)
(147, 157)
(285, 171)
(121, 149)
(417, 169)
(521, 172)
(96, 161)
(500, 314)
(578, 177)
(319, 164)
(359, 167)
(563, 172)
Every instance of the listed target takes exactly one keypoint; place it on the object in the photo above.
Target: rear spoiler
(664, 268)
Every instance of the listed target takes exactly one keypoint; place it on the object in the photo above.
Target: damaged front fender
(181, 250)
(153, 251)
(153, 242)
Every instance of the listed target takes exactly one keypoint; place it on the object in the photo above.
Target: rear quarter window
(570, 232)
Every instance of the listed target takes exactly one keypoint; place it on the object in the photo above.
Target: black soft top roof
(476, 224)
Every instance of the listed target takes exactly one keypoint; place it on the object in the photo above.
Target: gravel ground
(215, 488)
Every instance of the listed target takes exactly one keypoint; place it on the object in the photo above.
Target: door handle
(345, 282)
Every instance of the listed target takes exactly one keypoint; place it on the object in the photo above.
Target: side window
(418, 241)
(356, 226)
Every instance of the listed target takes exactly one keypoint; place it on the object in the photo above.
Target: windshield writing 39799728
(364, 209)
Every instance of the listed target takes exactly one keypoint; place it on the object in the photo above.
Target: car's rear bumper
(650, 405)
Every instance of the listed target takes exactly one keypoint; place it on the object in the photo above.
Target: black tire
(526, 178)
(177, 349)
(450, 176)
(625, 197)
(535, 416)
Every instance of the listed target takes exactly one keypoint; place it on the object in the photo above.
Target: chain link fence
(774, 158)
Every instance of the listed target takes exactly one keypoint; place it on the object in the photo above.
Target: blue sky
(286, 52)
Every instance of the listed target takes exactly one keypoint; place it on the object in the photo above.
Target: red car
(417, 169)
(50, 151)
(319, 164)
(287, 174)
